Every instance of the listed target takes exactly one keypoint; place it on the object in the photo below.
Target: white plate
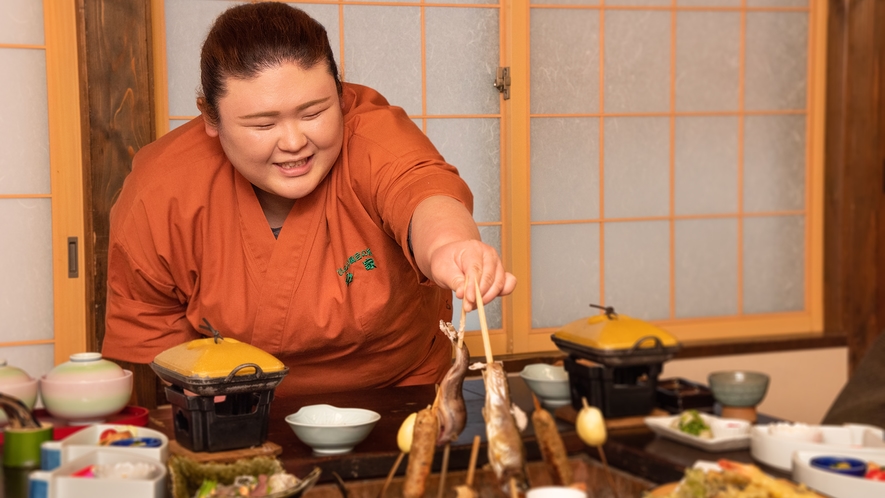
(663, 427)
(837, 485)
(777, 451)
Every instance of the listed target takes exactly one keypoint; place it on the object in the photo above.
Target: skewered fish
(451, 408)
(506, 453)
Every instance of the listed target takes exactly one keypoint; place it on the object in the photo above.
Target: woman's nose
(292, 138)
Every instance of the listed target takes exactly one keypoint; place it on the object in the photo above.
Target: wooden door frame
(117, 103)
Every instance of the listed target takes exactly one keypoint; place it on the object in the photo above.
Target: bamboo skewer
(486, 343)
(443, 471)
(390, 474)
(608, 471)
(463, 323)
(471, 470)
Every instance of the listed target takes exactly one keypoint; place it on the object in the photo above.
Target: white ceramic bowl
(330, 430)
(548, 382)
(833, 484)
(796, 432)
(86, 389)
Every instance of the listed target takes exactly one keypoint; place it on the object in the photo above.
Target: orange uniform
(337, 297)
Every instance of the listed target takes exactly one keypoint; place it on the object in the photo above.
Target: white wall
(803, 383)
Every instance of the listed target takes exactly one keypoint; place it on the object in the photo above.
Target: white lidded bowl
(548, 382)
(330, 430)
(86, 390)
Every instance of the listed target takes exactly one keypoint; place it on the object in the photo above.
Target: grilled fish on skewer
(506, 453)
(450, 406)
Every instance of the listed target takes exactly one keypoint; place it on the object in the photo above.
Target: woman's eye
(313, 114)
(263, 126)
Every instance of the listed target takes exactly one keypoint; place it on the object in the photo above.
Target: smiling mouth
(293, 164)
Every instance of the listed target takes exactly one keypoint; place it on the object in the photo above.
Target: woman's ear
(210, 125)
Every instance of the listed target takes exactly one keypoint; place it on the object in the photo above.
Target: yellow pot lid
(611, 331)
(216, 357)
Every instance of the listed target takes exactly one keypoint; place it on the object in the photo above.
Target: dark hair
(249, 38)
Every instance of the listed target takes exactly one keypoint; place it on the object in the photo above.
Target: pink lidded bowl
(17, 383)
(86, 389)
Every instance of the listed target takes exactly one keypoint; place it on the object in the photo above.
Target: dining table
(638, 459)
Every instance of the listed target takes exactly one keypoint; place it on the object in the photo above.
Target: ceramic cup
(21, 447)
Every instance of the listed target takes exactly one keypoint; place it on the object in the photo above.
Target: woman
(299, 214)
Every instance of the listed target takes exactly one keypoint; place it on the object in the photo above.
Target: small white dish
(777, 451)
(56, 453)
(72, 480)
(663, 426)
(555, 492)
(729, 427)
(330, 430)
(796, 431)
(833, 484)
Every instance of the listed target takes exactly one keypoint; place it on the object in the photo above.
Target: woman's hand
(457, 264)
(449, 251)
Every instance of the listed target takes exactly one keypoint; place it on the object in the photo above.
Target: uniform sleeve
(145, 313)
(396, 167)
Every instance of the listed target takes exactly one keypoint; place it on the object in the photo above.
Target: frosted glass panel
(187, 24)
(774, 163)
(494, 316)
(708, 3)
(777, 3)
(565, 168)
(774, 264)
(565, 273)
(637, 167)
(707, 61)
(474, 147)
(644, 3)
(24, 128)
(637, 268)
(26, 266)
(637, 61)
(565, 2)
(36, 360)
(22, 22)
(706, 267)
(706, 165)
(777, 56)
(564, 61)
(488, 2)
(382, 49)
(462, 59)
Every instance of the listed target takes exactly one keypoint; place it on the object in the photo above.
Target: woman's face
(283, 129)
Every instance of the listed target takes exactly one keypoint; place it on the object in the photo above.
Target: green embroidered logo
(367, 260)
